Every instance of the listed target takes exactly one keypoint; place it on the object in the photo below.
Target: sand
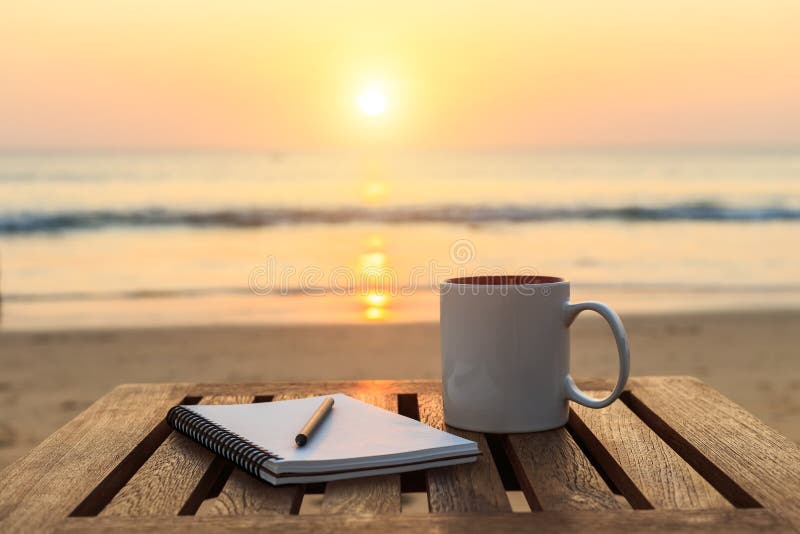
(49, 377)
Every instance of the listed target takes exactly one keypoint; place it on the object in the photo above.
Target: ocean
(137, 238)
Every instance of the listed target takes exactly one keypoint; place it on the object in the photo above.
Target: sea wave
(63, 221)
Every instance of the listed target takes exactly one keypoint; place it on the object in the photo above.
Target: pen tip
(300, 439)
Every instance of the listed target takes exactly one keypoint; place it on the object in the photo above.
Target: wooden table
(672, 454)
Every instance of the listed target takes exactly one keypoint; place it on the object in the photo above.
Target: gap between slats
(126, 469)
(209, 486)
(471, 487)
(415, 483)
(720, 481)
(665, 479)
(556, 474)
(414, 489)
(615, 478)
(620, 483)
(412, 481)
(212, 480)
(592, 460)
(612, 473)
(175, 477)
(219, 471)
(236, 492)
(380, 494)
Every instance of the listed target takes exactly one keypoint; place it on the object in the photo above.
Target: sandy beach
(49, 377)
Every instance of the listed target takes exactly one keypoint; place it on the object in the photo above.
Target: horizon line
(276, 151)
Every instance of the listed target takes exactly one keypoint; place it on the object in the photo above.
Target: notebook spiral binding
(220, 440)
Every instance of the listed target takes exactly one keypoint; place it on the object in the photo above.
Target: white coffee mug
(505, 353)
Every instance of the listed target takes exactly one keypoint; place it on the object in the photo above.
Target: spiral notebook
(355, 440)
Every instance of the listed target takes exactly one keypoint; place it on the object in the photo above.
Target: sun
(372, 101)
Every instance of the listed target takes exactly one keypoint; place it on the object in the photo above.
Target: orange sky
(462, 74)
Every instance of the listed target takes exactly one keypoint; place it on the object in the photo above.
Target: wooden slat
(371, 495)
(47, 484)
(744, 459)
(662, 479)
(244, 494)
(473, 487)
(655, 521)
(349, 387)
(736, 450)
(556, 475)
(163, 485)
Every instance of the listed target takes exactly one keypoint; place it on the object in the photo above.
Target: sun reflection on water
(375, 290)
(372, 260)
(374, 313)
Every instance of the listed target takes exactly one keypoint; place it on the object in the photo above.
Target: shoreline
(52, 375)
(297, 310)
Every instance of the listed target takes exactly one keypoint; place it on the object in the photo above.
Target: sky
(290, 75)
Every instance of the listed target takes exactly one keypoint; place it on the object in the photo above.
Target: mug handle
(571, 311)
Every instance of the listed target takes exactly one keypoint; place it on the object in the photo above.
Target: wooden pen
(312, 424)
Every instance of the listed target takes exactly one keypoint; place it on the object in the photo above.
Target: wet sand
(49, 377)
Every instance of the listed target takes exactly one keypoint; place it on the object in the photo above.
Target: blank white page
(352, 430)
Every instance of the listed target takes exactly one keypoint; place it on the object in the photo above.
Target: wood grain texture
(652, 521)
(555, 474)
(664, 479)
(473, 487)
(744, 459)
(48, 483)
(164, 483)
(711, 427)
(371, 495)
(244, 494)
